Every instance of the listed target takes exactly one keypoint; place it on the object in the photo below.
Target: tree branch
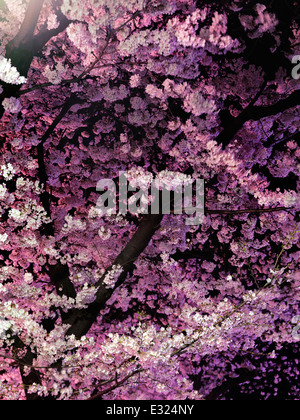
(243, 211)
(255, 113)
(258, 112)
(25, 45)
(118, 383)
(28, 377)
(80, 321)
(44, 36)
(28, 25)
(20, 49)
(42, 174)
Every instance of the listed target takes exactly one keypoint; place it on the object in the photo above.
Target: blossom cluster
(263, 22)
(12, 105)
(9, 73)
(112, 275)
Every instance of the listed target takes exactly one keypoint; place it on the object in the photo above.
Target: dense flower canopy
(147, 306)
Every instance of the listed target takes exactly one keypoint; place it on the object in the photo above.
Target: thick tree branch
(44, 36)
(80, 321)
(28, 25)
(255, 113)
(20, 49)
(258, 112)
(42, 174)
(30, 376)
(25, 45)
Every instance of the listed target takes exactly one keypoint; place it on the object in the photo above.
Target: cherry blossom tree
(146, 306)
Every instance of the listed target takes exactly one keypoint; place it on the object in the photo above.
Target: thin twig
(118, 383)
